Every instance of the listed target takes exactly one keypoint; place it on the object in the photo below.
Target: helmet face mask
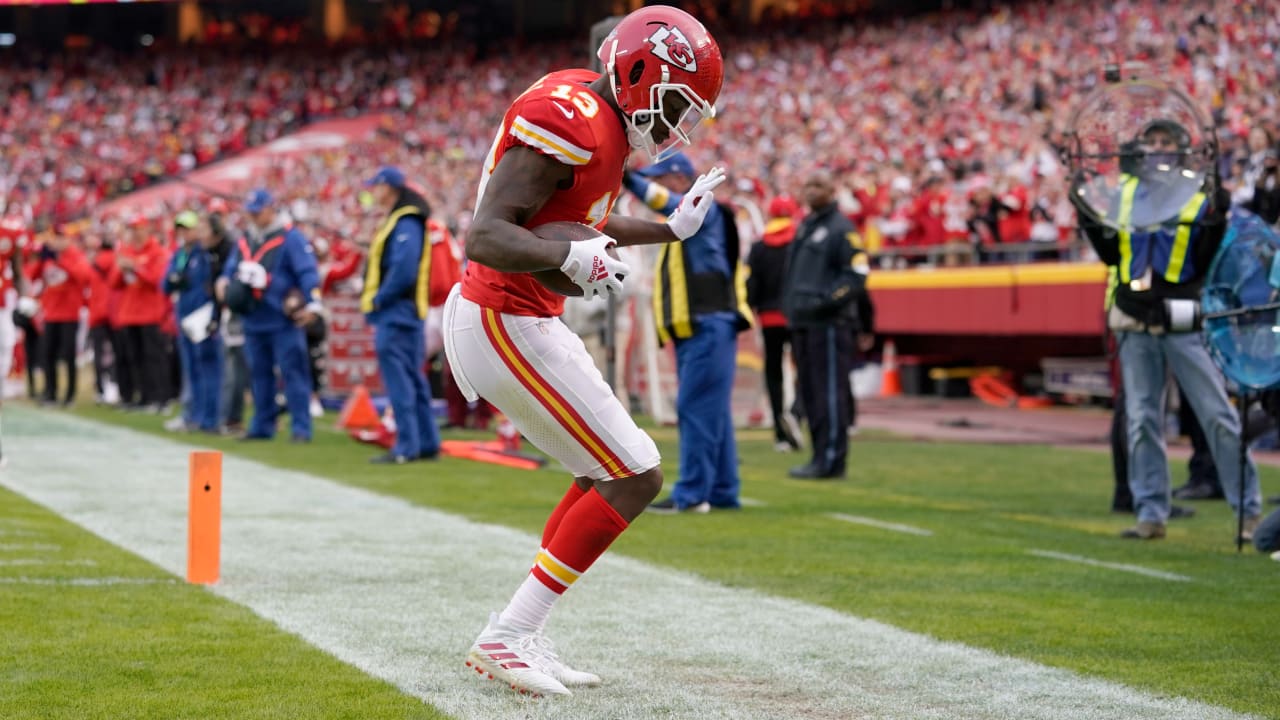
(667, 127)
(665, 72)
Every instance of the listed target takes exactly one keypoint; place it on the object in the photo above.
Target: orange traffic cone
(358, 412)
(891, 380)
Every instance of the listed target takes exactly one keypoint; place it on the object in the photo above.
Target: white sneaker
(555, 667)
(514, 658)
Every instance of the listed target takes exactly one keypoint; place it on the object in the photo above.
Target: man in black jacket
(826, 284)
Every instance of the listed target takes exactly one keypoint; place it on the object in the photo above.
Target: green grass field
(146, 650)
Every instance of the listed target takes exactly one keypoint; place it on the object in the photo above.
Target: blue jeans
(1267, 537)
(705, 365)
(1144, 361)
(401, 351)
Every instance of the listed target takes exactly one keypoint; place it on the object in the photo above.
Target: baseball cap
(387, 175)
(258, 201)
(186, 219)
(678, 164)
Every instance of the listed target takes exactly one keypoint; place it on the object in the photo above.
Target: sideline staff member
(394, 302)
(826, 283)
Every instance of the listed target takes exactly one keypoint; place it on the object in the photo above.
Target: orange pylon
(358, 412)
(891, 379)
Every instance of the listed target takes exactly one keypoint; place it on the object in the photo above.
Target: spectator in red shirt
(140, 268)
(64, 273)
(767, 265)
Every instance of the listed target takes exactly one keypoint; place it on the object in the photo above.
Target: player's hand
(590, 266)
(693, 209)
(252, 274)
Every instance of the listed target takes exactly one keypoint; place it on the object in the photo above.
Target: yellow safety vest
(673, 309)
(373, 264)
(1172, 272)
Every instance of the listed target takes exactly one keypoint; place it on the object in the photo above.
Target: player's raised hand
(693, 209)
(593, 266)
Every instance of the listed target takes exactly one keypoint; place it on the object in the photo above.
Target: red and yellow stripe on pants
(546, 395)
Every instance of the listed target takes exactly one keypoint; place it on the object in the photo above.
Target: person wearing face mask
(272, 269)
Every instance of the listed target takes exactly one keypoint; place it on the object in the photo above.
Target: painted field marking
(36, 561)
(400, 591)
(36, 547)
(1123, 567)
(87, 581)
(751, 502)
(881, 524)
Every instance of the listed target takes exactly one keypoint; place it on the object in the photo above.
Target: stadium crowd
(952, 158)
(951, 165)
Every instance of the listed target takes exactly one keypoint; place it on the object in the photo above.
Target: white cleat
(514, 658)
(556, 668)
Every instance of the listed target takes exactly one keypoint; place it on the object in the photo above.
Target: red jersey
(561, 117)
(446, 263)
(65, 280)
(14, 239)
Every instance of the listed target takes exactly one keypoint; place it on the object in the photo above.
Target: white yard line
(400, 591)
(1123, 567)
(881, 524)
(37, 561)
(87, 581)
(35, 547)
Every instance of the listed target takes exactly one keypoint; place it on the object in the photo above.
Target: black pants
(104, 356)
(124, 371)
(775, 344)
(824, 359)
(1201, 470)
(144, 354)
(317, 353)
(30, 350)
(59, 345)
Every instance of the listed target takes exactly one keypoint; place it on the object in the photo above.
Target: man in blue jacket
(271, 269)
(394, 301)
(699, 304)
(190, 276)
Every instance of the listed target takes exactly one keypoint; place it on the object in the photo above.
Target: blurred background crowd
(950, 166)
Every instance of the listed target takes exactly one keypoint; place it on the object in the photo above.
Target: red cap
(783, 206)
(218, 205)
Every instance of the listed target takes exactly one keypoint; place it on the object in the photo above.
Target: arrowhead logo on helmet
(671, 45)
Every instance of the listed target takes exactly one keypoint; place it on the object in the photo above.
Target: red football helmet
(665, 71)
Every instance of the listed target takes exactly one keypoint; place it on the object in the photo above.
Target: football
(553, 279)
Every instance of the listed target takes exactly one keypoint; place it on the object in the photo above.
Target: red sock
(574, 493)
(586, 531)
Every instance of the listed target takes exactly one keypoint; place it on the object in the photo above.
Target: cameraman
(1160, 272)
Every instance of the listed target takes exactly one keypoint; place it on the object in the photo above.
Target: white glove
(252, 274)
(693, 209)
(28, 306)
(591, 268)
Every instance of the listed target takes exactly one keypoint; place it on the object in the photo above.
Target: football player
(13, 242)
(559, 156)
